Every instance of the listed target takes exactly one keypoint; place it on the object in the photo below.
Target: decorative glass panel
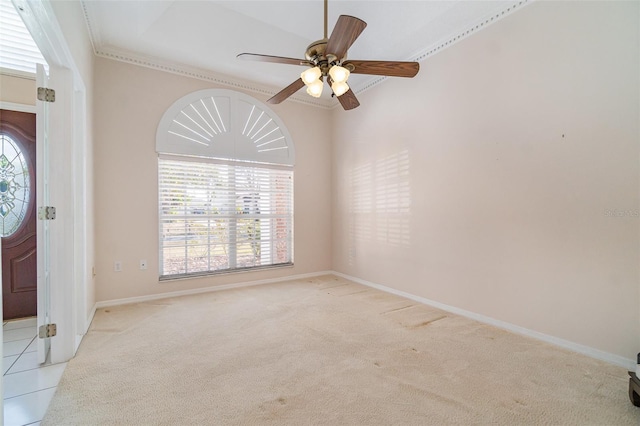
(14, 186)
(224, 124)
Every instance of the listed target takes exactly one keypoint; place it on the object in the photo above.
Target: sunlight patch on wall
(380, 203)
(393, 200)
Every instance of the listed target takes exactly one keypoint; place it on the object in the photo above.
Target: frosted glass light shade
(339, 74)
(311, 75)
(339, 88)
(315, 88)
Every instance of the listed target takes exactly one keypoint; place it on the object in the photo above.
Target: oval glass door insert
(15, 186)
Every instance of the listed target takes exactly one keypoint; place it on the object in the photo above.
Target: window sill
(180, 277)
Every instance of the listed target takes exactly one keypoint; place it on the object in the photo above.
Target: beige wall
(488, 182)
(17, 90)
(71, 19)
(130, 101)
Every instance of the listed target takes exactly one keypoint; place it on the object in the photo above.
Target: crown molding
(473, 29)
(202, 74)
(207, 75)
(449, 41)
(95, 36)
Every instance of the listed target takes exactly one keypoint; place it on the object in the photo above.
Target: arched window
(225, 182)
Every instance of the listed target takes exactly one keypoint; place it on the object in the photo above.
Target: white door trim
(42, 199)
(12, 106)
(42, 23)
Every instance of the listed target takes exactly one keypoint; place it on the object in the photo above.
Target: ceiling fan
(327, 58)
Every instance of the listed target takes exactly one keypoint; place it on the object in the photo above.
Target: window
(218, 216)
(225, 184)
(19, 51)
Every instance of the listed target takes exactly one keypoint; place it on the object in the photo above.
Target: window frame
(232, 217)
(232, 129)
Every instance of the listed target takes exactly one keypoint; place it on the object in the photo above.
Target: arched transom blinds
(219, 123)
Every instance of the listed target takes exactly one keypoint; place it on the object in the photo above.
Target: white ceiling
(207, 35)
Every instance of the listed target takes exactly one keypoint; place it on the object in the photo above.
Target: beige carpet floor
(324, 351)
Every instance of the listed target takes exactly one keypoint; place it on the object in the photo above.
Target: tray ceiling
(202, 38)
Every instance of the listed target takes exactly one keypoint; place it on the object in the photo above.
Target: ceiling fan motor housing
(317, 54)
(316, 49)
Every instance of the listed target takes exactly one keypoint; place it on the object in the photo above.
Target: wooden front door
(18, 213)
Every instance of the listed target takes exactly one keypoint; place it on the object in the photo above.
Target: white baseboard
(147, 298)
(87, 324)
(618, 360)
(90, 318)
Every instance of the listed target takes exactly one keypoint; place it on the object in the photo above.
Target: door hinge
(46, 95)
(47, 330)
(46, 213)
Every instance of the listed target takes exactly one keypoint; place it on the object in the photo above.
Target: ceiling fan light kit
(311, 75)
(339, 74)
(315, 88)
(339, 89)
(327, 57)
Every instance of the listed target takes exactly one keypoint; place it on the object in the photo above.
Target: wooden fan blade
(275, 59)
(286, 92)
(388, 68)
(348, 100)
(346, 31)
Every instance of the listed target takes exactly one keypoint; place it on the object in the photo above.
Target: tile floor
(28, 387)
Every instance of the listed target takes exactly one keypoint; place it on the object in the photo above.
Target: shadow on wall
(380, 207)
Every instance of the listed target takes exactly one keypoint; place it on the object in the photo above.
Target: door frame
(68, 135)
(11, 106)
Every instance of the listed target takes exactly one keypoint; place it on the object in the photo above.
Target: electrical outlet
(117, 266)
(143, 264)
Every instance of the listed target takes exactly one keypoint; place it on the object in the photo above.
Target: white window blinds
(18, 51)
(223, 216)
